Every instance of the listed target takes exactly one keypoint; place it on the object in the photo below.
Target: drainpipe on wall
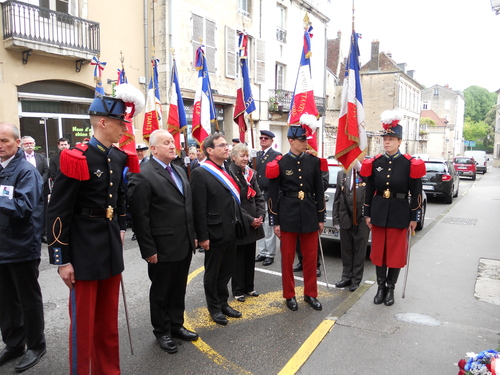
(146, 46)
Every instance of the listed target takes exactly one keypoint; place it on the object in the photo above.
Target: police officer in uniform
(86, 227)
(267, 245)
(391, 178)
(297, 212)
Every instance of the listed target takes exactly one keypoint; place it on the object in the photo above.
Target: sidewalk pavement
(444, 314)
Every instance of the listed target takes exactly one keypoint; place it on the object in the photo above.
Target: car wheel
(420, 224)
(474, 177)
(449, 198)
(456, 192)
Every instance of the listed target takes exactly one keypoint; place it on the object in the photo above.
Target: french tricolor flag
(176, 114)
(303, 97)
(351, 135)
(204, 109)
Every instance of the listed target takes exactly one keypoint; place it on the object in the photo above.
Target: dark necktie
(175, 178)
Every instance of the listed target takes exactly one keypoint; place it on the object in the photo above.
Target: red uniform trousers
(93, 337)
(389, 246)
(309, 250)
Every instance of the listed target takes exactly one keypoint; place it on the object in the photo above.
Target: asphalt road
(262, 342)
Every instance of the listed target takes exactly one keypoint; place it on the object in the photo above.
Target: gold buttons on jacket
(110, 184)
(109, 160)
(110, 172)
(111, 195)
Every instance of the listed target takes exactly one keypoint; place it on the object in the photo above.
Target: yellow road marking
(307, 348)
(264, 305)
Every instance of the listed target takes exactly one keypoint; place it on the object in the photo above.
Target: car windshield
(333, 170)
(463, 161)
(435, 167)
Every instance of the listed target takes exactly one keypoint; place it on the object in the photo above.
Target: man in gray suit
(353, 236)
(162, 214)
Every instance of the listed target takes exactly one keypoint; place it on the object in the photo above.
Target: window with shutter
(231, 54)
(204, 33)
(260, 61)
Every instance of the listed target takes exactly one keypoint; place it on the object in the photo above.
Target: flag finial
(307, 21)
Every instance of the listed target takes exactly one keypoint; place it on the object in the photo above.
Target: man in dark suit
(39, 161)
(62, 144)
(162, 213)
(200, 158)
(353, 237)
(216, 200)
(267, 245)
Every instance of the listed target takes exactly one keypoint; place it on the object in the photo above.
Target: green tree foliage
(478, 102)
(475, 131)
(427, 121)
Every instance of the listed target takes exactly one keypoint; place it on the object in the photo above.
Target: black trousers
(244, 269)
(353, 252)
(167, 294)
(21, 306)
(219, 264)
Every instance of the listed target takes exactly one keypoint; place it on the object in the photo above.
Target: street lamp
(495, 6)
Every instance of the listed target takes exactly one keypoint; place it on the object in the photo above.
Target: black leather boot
(392, 278)
(381, 279)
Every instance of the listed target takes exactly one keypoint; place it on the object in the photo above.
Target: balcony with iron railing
(32, 29)
(281, 34)
(280, 100)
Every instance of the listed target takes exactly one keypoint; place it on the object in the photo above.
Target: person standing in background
(21, 224)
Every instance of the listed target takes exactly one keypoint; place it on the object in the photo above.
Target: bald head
(9, 140)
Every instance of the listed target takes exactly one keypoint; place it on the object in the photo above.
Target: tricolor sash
(224, 178)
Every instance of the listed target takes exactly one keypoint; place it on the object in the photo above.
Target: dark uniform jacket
(21, 218)
(54, 165)
(214, 209)
(252, 207)
(260, 168)
(297, 174)
(344, 198)
(391, 174)
(161, 214)
(78, 232)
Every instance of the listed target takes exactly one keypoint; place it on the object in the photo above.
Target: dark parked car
(465, 166)
(441, 180)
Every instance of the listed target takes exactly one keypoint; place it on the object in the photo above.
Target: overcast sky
(454, 42)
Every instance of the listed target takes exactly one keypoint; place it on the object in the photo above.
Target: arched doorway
(49, 110)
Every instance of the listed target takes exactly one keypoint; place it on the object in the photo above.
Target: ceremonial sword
(126, 314)
(407, 260)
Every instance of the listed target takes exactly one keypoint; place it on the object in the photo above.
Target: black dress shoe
(268, 261)
(260, 258)
(297, 267)
(353, 287)
(229, 311)
(343, 283)
(239, 298)
(253, 293)
(292, 304)
(167, 344)
(44, 239)
(219, 318)
(30, 359)
(318, 272)
(134, 238)
(10, 353)
(184, 334)
(313, 302)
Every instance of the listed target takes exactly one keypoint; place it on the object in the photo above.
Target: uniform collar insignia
(94, 142)
(98, 173)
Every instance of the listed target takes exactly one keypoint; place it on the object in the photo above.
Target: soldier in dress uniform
(391, 178)
(353, 234)
(297, 210)
(86, 227)
(267, 245)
